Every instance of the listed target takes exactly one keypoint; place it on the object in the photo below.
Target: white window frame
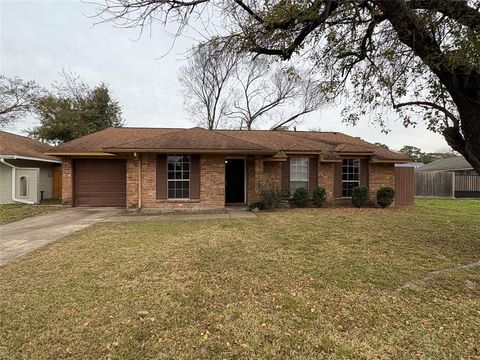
(181, 179)
(294, 163)
(356, 163)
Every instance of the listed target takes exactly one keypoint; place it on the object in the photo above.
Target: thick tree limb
(454, 9)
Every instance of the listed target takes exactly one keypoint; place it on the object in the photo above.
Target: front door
(235, 181)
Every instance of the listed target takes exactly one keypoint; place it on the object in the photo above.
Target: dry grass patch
(15, 212)
(307, 283)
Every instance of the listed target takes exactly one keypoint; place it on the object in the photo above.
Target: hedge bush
(256, 205)
(359, 196)
(269, 194)
(385, 196)
(319, 196)
(301, 197)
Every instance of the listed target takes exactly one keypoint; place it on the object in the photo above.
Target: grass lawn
(306, 283)
(14, 212)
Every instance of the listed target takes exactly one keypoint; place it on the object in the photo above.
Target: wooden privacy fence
(446, 184)
(404, 185)
(434, 183)
(467, 185)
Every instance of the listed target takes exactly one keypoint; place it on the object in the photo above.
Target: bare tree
(204, 80)
(272, 93)
(17, 98)
(227, 89)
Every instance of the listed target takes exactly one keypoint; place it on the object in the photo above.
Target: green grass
(14, 212)
(304, 283)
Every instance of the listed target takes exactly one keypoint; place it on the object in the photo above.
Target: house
(450, 177)
(26, 172)
(414, 165)
(457, 164)
(204, 169)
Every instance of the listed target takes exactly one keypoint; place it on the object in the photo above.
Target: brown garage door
(100, 182)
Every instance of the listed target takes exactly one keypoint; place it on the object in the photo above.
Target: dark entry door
(235, 181)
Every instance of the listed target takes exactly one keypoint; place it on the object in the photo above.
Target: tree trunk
(463, 84)
(466, 141)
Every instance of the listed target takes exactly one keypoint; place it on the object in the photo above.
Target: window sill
(176, 201)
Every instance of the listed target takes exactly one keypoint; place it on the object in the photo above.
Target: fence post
(453, 184)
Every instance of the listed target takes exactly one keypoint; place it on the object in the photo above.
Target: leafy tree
(417, 56)
(74, 110)
(413, 152)
(419, 156)
(382, 145)
(17, 98)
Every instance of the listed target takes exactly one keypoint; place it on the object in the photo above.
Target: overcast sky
(39, 38)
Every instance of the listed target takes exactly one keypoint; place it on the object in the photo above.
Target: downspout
(14, 182)
(139, 181)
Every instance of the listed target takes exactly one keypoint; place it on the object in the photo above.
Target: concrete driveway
(23, 236)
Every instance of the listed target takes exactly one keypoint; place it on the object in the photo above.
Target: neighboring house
(450, 177)
(26, 172)
(197, 168)
(457, 164)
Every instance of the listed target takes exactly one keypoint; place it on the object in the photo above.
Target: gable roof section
(448, 164)
(22, 146)
(329, 145)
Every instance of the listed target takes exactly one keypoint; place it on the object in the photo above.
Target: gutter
(14, 182)
(14, 157)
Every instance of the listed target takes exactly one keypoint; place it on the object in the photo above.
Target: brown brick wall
(132, 182)
(272, 170)
(380, 175)
(212, 181)
(251, 182)
(67, 181)
(212, 184)
(325, 178)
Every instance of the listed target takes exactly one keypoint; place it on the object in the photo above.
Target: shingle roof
(448, 164)
(187, 139)
(12, 144)
(328, 144)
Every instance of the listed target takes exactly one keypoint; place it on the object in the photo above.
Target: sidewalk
(231, 214)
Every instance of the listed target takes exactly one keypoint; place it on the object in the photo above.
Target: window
(178, 176)
(298, 173)
(350, 176)
(23, 186)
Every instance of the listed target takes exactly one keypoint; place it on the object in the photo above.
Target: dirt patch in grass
(15, 212)
(304, 283)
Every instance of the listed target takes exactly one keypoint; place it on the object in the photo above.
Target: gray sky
(38, 38)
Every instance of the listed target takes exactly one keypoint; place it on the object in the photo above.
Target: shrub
(301, 197)
(285, 194)
(318, 196)
(385, 196)
(269, 194)
(256, 205)
(359, 196)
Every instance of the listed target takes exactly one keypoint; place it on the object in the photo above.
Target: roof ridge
(246, 141)
(285, 131)
(24, 137)
(318, 141)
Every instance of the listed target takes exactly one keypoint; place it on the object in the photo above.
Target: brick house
(205, 169)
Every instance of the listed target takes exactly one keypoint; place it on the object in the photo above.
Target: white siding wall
(5, 184)
(32, 176)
